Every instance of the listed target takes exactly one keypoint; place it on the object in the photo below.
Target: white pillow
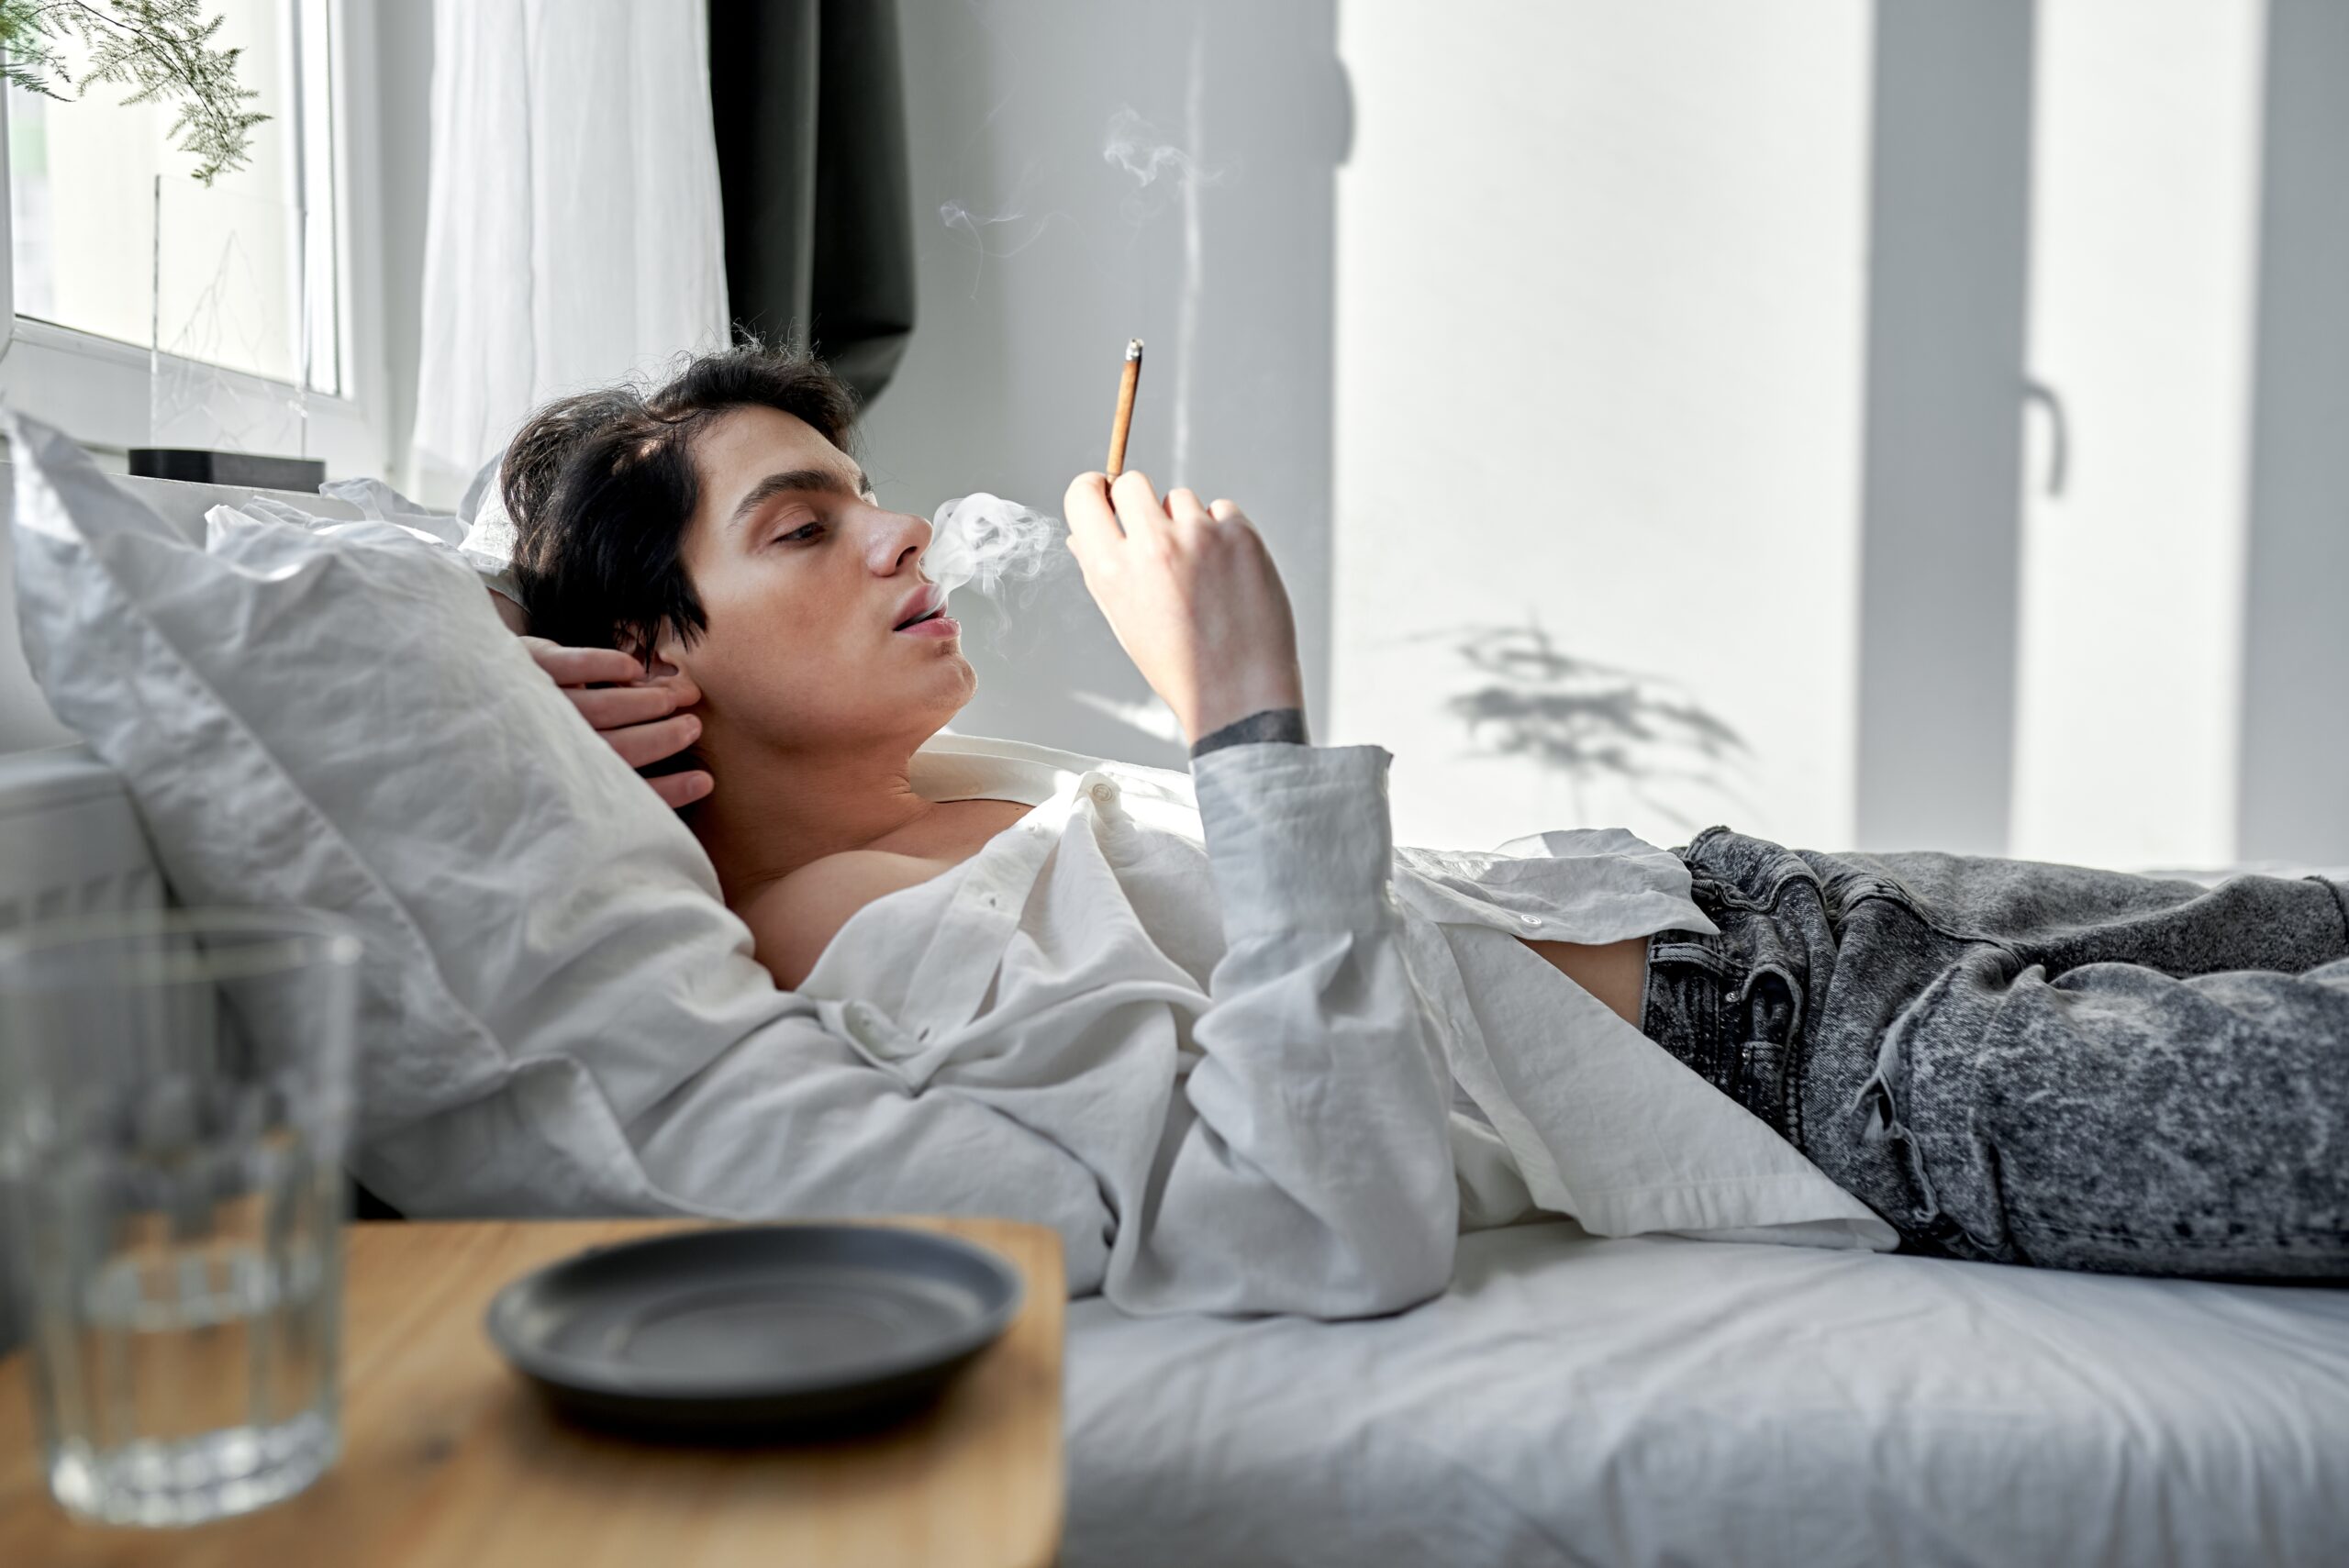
(489, 533)
(483, 540)
(558, 1015)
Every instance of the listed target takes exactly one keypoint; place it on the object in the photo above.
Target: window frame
(96, 389)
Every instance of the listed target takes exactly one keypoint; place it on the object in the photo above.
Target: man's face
(805, 580)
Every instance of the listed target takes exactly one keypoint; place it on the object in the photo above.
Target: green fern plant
(160, 49)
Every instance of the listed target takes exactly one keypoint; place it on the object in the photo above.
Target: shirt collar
(968, 767)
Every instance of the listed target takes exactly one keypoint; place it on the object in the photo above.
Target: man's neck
(773, 812)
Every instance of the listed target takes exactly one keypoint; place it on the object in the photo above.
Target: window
(240, 289)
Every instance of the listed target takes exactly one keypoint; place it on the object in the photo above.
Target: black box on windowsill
(197, 466)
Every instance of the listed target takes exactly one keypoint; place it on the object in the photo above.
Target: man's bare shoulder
(793, 917)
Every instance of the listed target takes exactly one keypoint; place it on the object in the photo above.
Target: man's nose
(899, 538)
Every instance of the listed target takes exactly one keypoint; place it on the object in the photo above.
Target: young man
(1316, 1057)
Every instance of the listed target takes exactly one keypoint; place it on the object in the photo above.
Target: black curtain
(807, 98)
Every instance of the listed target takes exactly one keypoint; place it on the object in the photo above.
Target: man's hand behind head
(642, 717)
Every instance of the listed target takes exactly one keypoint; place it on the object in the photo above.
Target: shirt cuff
(1298, 836)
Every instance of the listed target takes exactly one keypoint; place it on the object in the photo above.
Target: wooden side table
(450, 1458)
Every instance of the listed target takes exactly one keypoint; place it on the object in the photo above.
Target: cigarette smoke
(1162, 172)
(1002, 548)
(1187, 309)
(990, 544)
(1019, 227)
(986, 542)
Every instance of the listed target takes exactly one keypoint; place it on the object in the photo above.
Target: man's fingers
(581, 666)
(1091, 525)
(1183, 504)
(680, 790)
(640, 745)
(1136, 503)
(609, 707)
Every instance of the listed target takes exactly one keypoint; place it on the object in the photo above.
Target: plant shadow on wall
(1591, 723)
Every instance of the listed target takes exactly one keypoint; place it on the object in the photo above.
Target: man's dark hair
(601, 486)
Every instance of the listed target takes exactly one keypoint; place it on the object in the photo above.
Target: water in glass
(172, 1138)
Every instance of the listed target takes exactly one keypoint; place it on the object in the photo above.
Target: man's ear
(659, 655)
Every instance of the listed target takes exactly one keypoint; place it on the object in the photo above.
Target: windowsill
(98, 391)
(176, 501)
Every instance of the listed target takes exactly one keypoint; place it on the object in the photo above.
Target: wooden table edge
(33, 1529)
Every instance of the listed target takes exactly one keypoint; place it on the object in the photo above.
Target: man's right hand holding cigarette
(1193, 596)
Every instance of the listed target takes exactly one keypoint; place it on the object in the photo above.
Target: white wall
(1601, 293)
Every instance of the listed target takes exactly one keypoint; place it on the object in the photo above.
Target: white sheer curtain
(572, 231)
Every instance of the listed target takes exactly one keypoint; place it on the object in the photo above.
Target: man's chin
(958, 694)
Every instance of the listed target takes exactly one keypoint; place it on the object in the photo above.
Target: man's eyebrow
(829, 480)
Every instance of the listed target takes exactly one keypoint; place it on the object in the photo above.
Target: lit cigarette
(1125, 418)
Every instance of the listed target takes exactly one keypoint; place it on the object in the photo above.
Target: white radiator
(70, 844)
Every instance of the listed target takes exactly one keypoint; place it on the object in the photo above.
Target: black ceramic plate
(776, 1330)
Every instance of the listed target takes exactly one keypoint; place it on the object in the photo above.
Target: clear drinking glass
(174, 1098)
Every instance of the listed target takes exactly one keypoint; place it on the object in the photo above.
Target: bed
(1584, 1401)
(1572, 1400)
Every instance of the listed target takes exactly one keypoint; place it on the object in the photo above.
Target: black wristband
(1286, 725)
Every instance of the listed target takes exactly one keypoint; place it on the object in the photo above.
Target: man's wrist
(1281, 725)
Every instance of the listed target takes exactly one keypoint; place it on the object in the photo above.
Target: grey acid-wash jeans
(2033, 1063)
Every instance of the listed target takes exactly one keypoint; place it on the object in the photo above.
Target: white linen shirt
(1295, 1061)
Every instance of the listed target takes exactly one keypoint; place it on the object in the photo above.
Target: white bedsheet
(1654, 1401)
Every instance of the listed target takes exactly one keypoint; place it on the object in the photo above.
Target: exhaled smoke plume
(984, 541)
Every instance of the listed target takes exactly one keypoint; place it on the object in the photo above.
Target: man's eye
(803, 533)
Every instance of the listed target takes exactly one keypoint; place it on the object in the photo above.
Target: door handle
(2059, 456)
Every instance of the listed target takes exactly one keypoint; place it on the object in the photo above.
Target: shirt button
(864, 1027)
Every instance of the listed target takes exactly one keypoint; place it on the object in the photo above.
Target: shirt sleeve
(796, 1122)
(1310, 1165)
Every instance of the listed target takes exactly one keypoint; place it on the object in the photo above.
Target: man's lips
(936, 626)
(928, 599)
